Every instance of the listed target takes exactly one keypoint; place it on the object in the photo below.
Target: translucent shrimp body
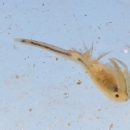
(109, 78)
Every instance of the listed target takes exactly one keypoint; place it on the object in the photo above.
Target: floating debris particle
(34, 65)
(17, 77)
(66, 94)
(111, 126)
(30, 109)
(79, 82)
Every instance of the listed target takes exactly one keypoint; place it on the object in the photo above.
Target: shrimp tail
(62, 52)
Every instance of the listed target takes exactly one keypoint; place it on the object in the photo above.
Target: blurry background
(42, 91)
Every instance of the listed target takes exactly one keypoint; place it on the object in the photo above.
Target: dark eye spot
(117, 95)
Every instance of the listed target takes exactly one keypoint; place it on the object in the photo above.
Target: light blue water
(38, 92)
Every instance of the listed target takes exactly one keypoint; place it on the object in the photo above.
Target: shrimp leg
(120, 77)
(126, 75)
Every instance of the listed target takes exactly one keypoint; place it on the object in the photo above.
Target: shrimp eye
(117, 95)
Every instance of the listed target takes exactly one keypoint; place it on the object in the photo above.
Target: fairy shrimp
(109, 78)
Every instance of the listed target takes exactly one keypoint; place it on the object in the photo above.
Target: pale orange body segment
(106, 81)
(109, 78)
